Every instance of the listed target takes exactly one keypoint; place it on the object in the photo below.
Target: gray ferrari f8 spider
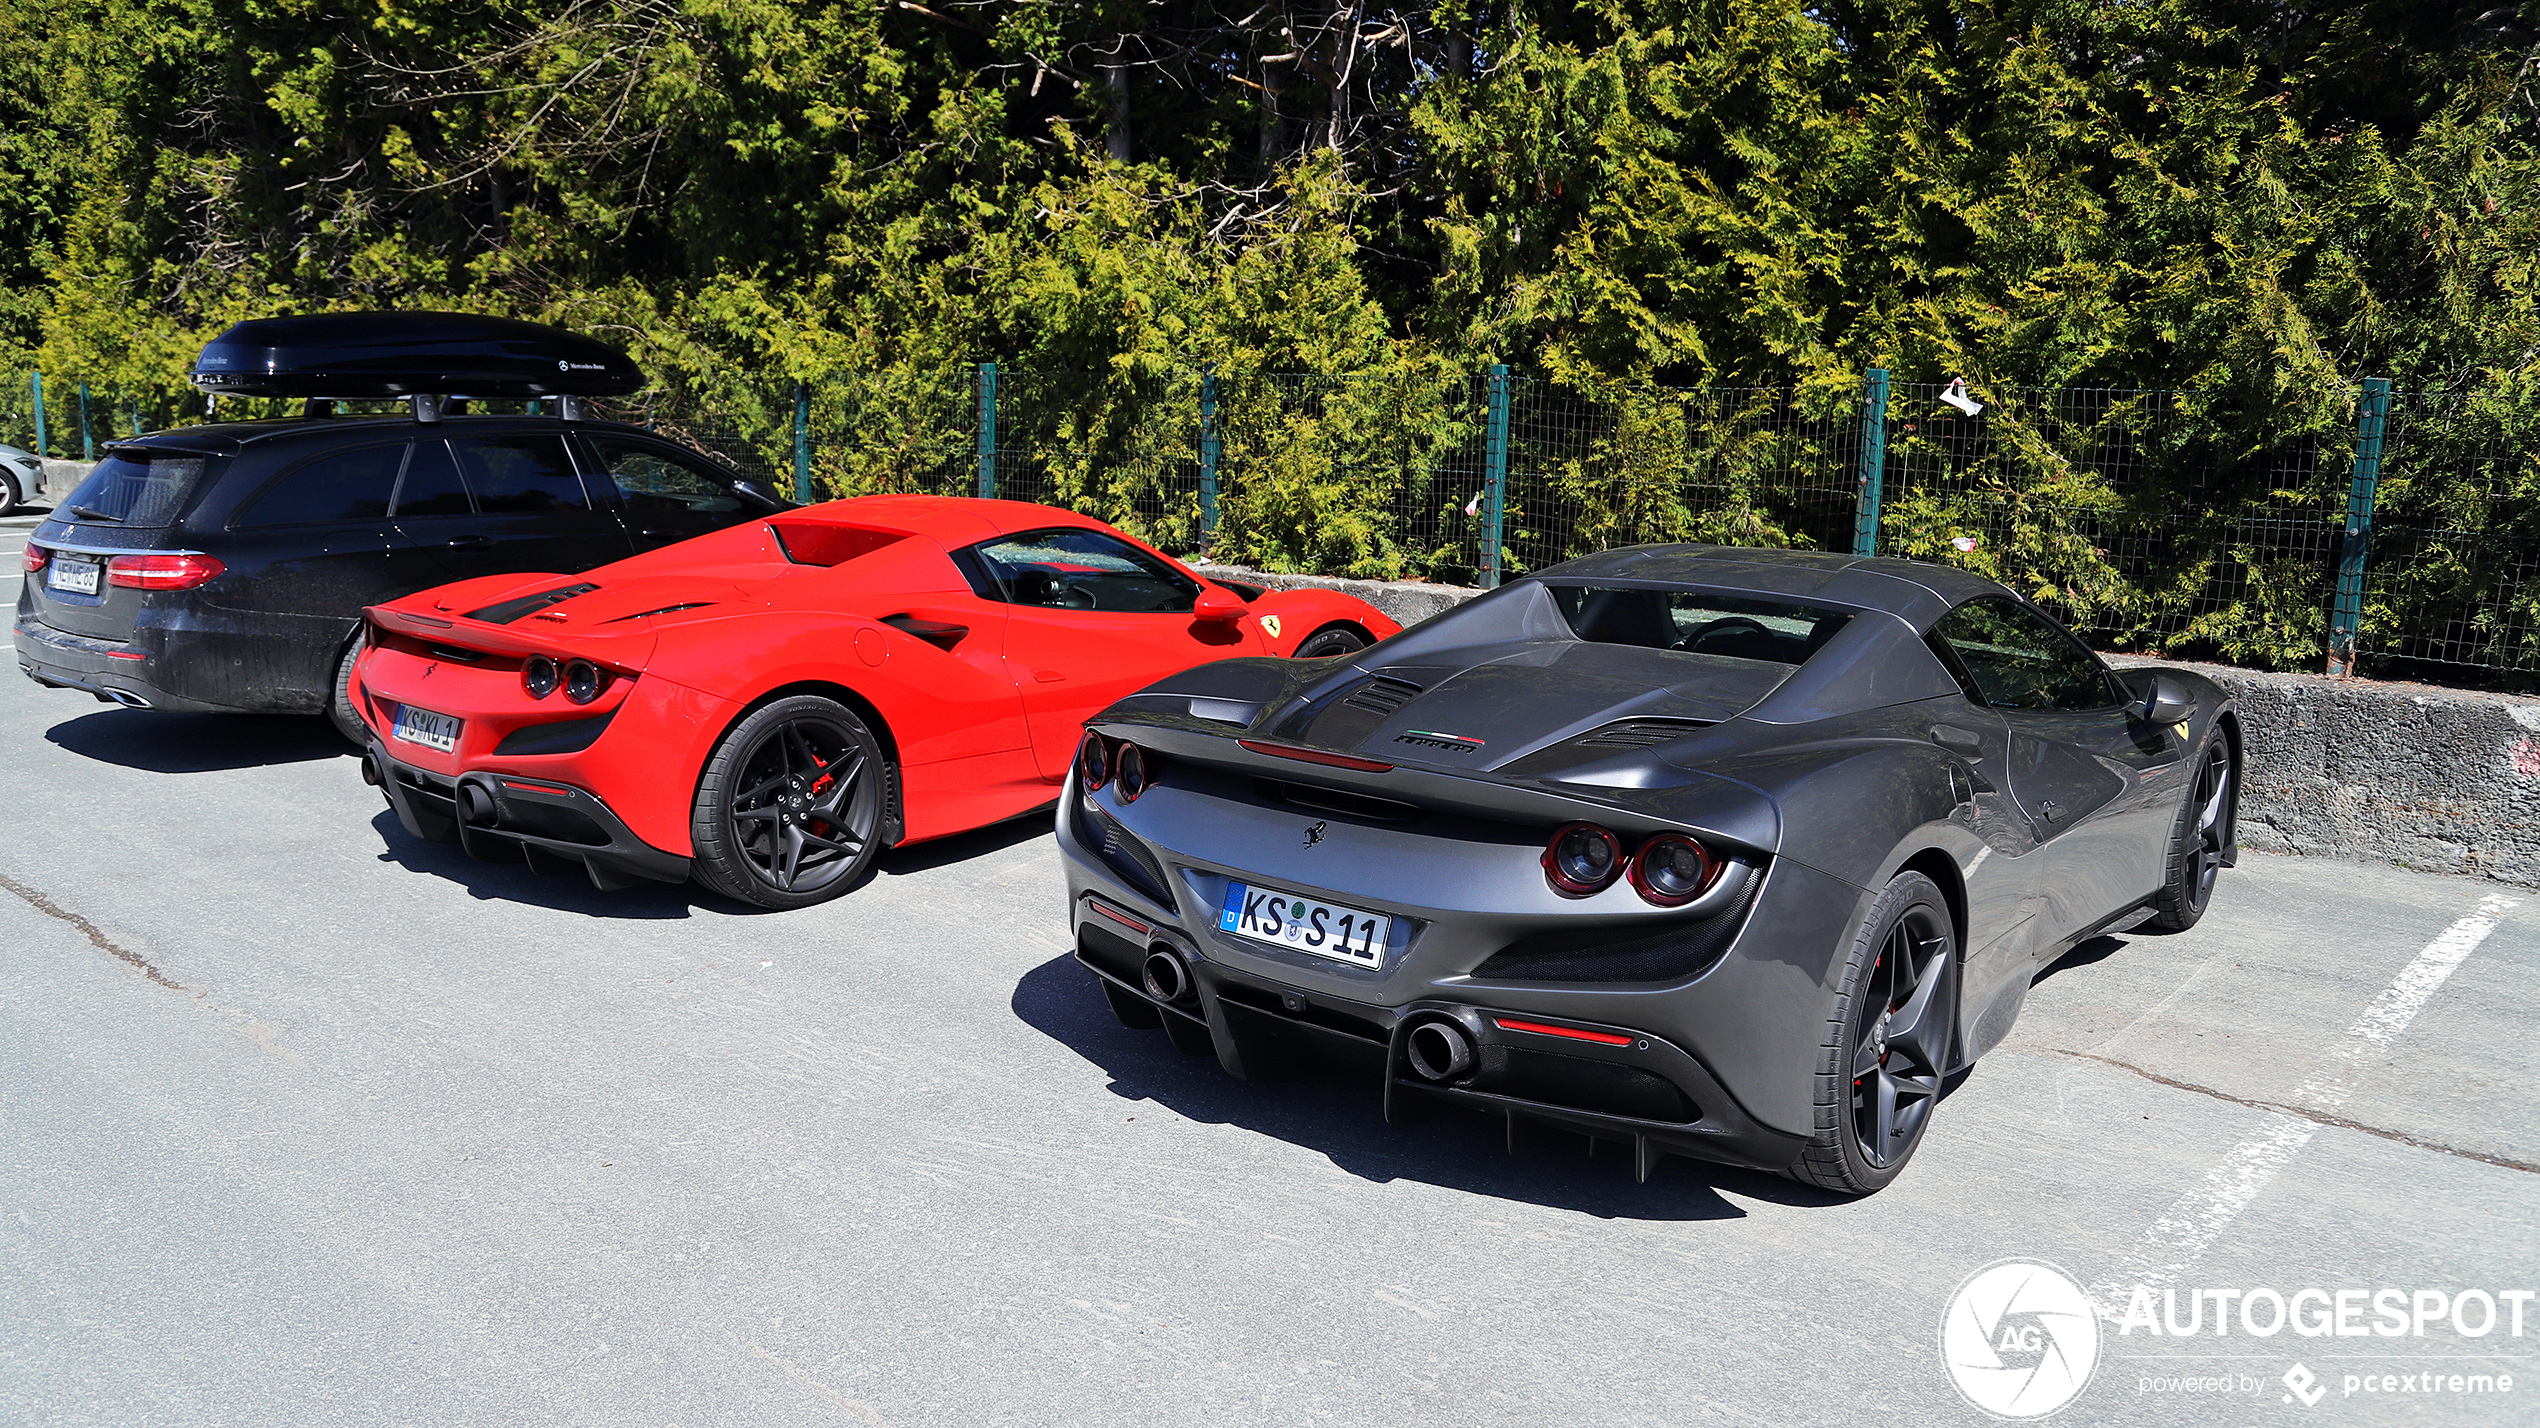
(1734, 854)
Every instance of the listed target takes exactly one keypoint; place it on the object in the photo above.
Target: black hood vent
(1641, 733)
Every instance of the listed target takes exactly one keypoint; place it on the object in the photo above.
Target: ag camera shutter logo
(2020, 1339)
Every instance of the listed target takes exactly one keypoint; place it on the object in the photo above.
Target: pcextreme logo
(2019, 1339)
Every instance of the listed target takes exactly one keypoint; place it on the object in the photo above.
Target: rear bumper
(101, 668)
(555, 827)
(1631, 1086)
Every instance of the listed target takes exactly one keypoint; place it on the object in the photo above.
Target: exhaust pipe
(127, 699)
(370, 772)
(1167, 978)
(1439, 1050)
(475, 804)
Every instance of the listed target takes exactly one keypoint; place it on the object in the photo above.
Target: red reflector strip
(1122, 918)
(125, 654)
(1316, 756)
(546, 788)
(1601, 1038)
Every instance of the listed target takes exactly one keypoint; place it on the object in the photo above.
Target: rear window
(343, 486)
(1699, 622)
(521, 473)
(137, 488)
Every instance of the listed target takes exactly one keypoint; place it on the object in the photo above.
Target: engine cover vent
(1382, 697)
(1641, 733)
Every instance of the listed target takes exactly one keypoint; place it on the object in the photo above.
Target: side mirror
(1217, 605)
(2165, 702)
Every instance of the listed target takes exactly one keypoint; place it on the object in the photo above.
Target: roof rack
(427, 358)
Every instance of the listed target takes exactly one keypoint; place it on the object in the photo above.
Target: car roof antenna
(427, 407)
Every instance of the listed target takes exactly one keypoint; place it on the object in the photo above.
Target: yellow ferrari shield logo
(1270, 626)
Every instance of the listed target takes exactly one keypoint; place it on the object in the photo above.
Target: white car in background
(21, 476)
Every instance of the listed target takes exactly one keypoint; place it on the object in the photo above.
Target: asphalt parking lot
(307, 1122)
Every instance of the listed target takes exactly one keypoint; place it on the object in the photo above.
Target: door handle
(1964, 741)
(474, 542)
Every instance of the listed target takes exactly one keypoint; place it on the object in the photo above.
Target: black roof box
(402, 354)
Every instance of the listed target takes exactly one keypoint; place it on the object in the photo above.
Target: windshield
(136, 488)
(1699, 622)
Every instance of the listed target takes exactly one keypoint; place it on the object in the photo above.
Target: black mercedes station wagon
(225, 567)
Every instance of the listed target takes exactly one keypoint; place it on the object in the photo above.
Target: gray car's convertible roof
(1913, 591)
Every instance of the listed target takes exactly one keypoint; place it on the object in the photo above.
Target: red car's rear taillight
(36, 555)
(161, 572)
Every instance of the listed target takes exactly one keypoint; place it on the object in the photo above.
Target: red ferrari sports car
(766, 708)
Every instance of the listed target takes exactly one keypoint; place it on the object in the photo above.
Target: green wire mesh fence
(2190, 523)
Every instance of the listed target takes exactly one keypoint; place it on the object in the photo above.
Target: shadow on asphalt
(978, 842)
(196, 743)
(1341, 1117)
(513, 882)
(2087, 954)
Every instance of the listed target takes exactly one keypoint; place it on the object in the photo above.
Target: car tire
(339, 698)
(2200, 838)
(1888, 1040)
(1329, 641)
(10, 495)
(790, 808)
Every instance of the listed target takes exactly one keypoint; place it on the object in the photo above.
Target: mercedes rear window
(1699, 622)
(137, 487)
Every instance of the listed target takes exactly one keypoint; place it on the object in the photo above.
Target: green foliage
(1698, 219)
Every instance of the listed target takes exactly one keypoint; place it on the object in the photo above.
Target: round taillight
(1672, 870)
(538, 676)
(583, 681)
(1582, 859)
(1093, 761)
(1133, 772)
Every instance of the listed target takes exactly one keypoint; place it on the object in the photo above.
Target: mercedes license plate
(75, 577)
(1283, 919)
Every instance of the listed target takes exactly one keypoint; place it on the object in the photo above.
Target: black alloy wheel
(789, 810)
(1330, 641)
(1887, 1051)
(2201, 840)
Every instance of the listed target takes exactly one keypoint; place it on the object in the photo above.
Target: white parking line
(2180, 1237)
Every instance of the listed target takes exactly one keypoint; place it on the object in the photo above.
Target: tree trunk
(1123, 145)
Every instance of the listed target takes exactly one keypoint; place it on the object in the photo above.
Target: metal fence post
(87, 444)
(1207, 453)
(40, 446)
(1873, 474)
(987, 431)
(1495, 475)
(802, 443)
(2346, 616)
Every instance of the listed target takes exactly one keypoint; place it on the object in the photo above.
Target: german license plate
(422, 726)
(75, 577)
(1283, 919)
